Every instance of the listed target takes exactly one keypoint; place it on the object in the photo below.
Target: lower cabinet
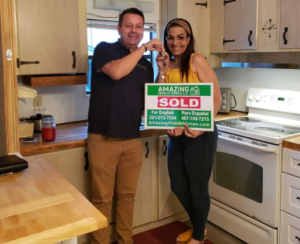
(145, 207)
(290, 197)
(154, 199)
(168, 204)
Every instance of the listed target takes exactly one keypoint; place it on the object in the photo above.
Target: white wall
(241, 79)
(69, 103)
(65, 103)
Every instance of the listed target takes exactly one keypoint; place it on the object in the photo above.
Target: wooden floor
(219, 236)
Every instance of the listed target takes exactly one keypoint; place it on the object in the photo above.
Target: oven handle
(270, 150)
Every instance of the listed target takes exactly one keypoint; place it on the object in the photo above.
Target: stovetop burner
(247, 119)
(231, 123)
(259, 126)
(269, 129)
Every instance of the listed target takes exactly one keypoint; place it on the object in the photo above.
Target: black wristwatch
(146, 49)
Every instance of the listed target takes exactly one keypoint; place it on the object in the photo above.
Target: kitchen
(72, 100)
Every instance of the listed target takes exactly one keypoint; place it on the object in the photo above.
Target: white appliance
(245, 182)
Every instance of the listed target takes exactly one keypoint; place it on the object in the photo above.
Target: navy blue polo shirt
(116, 107)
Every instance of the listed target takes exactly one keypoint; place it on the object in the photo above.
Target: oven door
(246, 177)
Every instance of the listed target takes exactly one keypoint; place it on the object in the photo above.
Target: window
(107, 31)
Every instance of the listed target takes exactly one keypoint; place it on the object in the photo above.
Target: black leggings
(190, 164)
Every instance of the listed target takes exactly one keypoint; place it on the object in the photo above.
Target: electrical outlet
(38, 101)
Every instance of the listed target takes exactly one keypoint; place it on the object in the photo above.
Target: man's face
(131, 30)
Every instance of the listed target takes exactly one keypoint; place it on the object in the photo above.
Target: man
(119, 74)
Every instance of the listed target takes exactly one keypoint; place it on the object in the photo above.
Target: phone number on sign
(195, 118)
(162, 117)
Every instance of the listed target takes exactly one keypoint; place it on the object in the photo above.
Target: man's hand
(192, 133)
(155, 45)
(177, 131)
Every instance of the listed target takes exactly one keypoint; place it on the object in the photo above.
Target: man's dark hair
(131, 11)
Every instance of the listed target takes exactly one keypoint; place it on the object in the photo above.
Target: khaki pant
(115, 167)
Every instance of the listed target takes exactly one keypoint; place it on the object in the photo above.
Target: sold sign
(179, 102)
(170, 105)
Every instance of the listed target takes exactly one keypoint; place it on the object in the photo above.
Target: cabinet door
(240, 25)
(145, 207)
(54, 33)
(289, 229)
(199, 18)
(168, 203)
(290, 24)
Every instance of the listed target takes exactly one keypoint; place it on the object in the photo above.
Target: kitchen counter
(38, 205)
(292, 143)
(72, 135)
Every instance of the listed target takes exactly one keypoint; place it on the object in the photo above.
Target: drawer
(291, 162)
(290, 197)
(289, 229)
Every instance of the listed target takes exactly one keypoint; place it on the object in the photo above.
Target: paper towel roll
(24, 92)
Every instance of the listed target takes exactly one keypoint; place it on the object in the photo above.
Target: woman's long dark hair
(186, 56)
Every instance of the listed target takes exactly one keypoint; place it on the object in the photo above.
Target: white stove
(246, 177)
(274, 115)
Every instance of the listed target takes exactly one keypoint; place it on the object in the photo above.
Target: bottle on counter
(48, 128)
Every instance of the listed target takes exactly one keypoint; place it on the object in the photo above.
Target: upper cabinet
(239, 26)
(197, 12)
(52, 37)
(240, 19)
(198, 16)
(290, 24)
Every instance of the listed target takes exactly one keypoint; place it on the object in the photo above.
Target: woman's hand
(177, 131)
(192, 133)
(163, 60)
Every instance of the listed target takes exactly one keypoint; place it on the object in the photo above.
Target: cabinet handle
(298, 238)
(86, 167)
(298, 164)
(26, 62)
(225, 41)
(230, 1)
(298, 198)
(74, 59)
(284, 35)
(147, 146)
(166, 148)
(249, 38)
(202, 4)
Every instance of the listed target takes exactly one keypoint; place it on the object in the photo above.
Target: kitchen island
(38, 205)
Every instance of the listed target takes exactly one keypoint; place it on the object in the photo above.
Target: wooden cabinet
(240, 20)
(52, 37)
(197, 12)
(289, 229)
(168, 203)
(198, 16)
(267, 19)
(145, 207)
(290, 24)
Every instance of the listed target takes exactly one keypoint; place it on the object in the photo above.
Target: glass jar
(48, 128)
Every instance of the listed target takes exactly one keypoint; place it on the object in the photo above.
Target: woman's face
(177, 40)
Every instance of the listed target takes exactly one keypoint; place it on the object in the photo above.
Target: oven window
(239, 175)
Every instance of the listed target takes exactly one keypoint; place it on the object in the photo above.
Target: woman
(191, 152)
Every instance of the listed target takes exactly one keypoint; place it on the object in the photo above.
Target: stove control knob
(251, 97)
(258, 98)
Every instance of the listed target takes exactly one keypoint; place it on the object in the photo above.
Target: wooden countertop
(38, 205)
(292, 143)
(74, 135)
